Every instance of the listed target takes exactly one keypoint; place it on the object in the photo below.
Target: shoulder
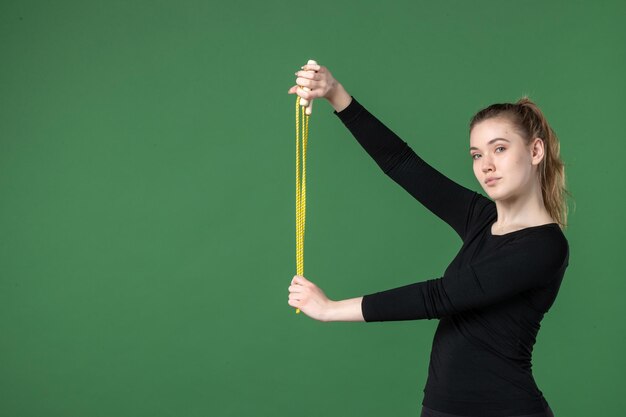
(549, 233)
(543, 243)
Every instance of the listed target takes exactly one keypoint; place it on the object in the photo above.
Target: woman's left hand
(309, 298)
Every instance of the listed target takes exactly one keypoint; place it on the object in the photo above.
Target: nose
(487, 164)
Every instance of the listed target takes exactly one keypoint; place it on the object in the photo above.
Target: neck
(524, 210)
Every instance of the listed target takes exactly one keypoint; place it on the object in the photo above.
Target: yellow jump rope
(303, 112)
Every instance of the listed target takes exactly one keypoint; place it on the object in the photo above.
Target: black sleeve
(448, 200)
(522, 264)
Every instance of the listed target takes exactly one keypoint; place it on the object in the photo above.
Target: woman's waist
(485, 405)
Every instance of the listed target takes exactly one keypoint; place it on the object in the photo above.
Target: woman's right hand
(322, 84)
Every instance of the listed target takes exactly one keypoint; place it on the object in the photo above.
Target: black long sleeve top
(491, 298)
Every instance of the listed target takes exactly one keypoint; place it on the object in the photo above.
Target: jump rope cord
(302, 134)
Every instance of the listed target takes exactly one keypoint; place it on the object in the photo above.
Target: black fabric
(427, 412)
(489, 301)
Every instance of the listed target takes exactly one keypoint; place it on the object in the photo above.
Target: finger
(308, 94)
(296, 288)
(308, 74)
(304, 82)
(309, 109)
(294, 303)
(292, 90)
(299, 279)
(311, 67)
(303, 95)
(296, 297)
(303, 92)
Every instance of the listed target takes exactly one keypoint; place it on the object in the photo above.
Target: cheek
(475, 169)
(523, 159)
(521, 164)
(515, 160)
(524, 162)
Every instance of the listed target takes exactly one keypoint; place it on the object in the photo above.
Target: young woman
(492, 297)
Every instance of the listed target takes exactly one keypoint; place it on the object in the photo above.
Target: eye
(475, 156)
(500, 149)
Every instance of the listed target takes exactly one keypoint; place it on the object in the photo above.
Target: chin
(496, 195)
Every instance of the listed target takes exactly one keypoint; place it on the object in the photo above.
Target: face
(504, 164)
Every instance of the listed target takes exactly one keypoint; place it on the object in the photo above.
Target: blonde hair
(530, 123)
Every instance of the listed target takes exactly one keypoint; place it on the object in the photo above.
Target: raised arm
(448, 200)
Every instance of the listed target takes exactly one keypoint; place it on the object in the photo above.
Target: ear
(537, 151)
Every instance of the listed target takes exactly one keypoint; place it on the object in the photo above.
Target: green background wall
(147, 199)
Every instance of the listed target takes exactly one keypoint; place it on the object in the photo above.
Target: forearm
(345, 310)
(444, 197)
(339, 98)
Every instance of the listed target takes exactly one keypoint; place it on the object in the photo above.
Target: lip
(491, 180)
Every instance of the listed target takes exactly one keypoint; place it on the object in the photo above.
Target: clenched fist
(309, 298)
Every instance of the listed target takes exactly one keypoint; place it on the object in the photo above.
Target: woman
(492, 297)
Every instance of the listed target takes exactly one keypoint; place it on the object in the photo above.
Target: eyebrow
(489, 143)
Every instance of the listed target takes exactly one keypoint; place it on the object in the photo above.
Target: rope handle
(303, 101)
